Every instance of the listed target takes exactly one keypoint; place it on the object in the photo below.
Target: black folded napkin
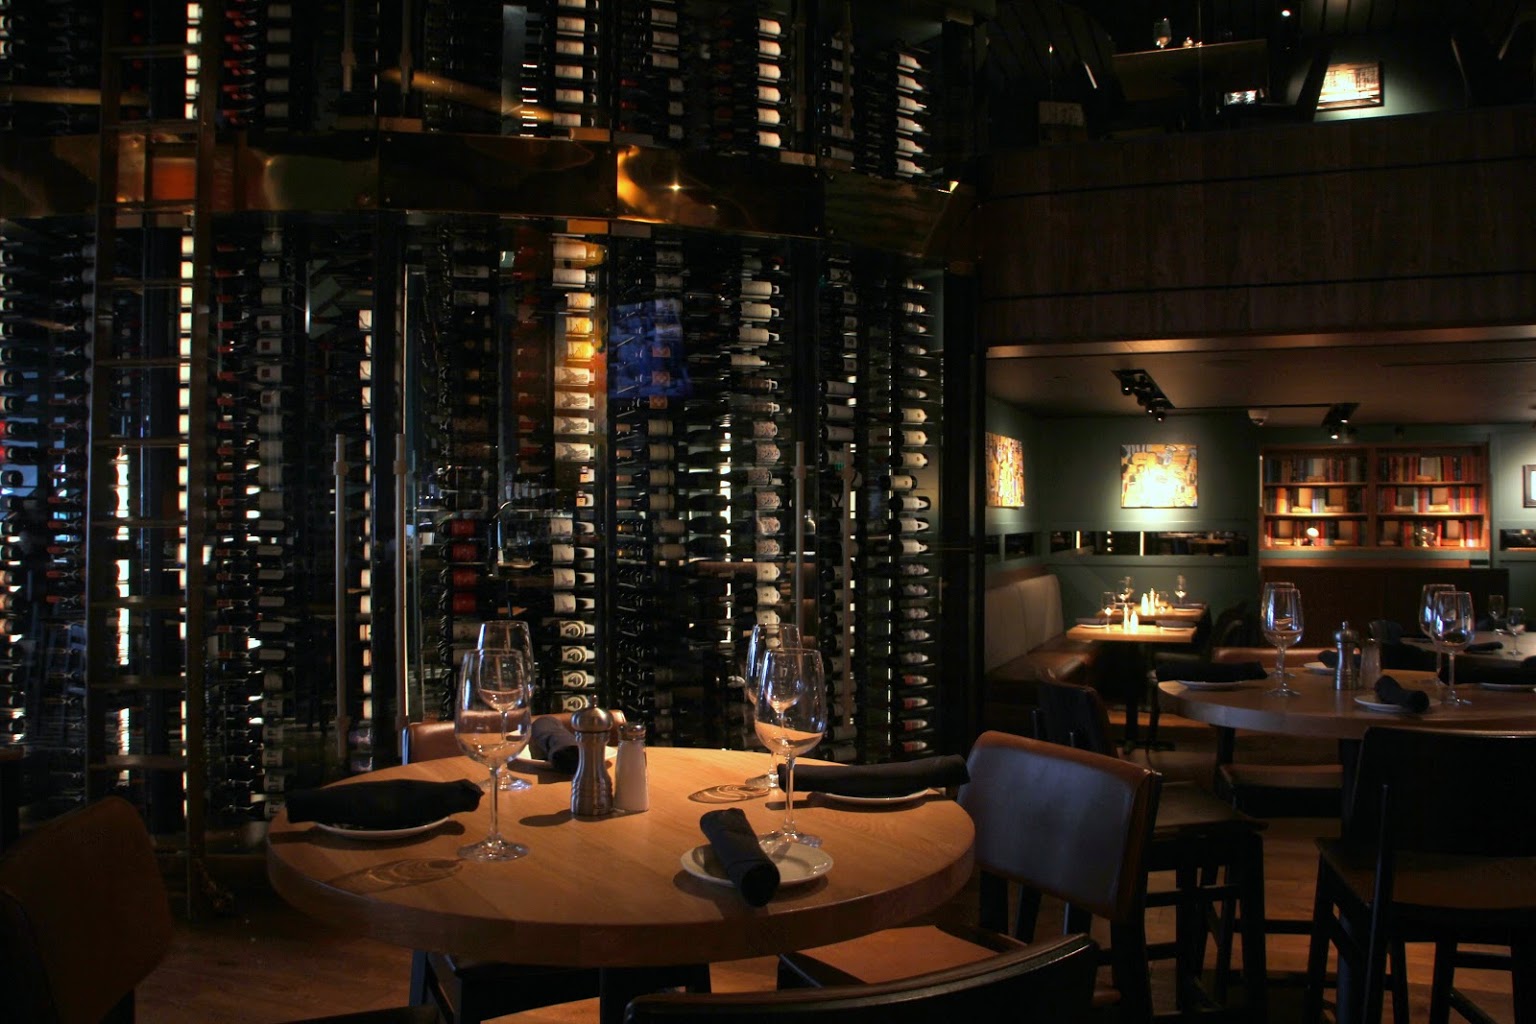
(750, 870)
(1330, 657)
(896, 778)
(1483, 648)
(1198, 670)
(394, 803)
(1096, 620)
(1390, 691)
(549, 740)
(1486, 670)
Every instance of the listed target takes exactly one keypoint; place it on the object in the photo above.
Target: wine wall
(259, 502)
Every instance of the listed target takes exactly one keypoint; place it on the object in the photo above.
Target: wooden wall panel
(1398, 222)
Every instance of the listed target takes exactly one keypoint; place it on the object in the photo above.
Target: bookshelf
(1338, 500)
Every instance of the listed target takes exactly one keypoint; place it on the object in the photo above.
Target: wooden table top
(1321, 711)
(612, 892)
(1115, 633)
(1147, 74)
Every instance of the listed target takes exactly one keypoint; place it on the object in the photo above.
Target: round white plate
(1213, 684)
(797, 863)
(1511, 687)
(1318, 667)
(874, 801)
(377, 835)
(1390, 709)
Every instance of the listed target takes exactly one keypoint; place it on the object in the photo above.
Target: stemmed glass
(790, 717)
(1162, 32)
(1496, 614)
(1107, 602)
(766, 637)
(1453, 629)
(1179, 589)
(509, 635)
(491, 721)
(1514, 618)
(1282, 623)
(1127, 591)
(1427, 615)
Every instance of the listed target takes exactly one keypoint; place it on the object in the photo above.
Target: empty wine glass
(1453, 628)
(1427, 614)
(1127, 591)
(1162, 32)
(1107, 602)
(765, 637)
(1496, 614)
(1282, 624)
(1179, 589)
(509, 635)
(790, 717)
(491, 721)
(1514, 620)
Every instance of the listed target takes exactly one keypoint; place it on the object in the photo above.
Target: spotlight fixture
(1148, 395)
(1336, 419)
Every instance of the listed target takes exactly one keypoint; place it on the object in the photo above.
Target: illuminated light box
(1351, 85)
(1159, 476)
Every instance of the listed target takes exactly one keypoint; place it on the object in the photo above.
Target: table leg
(618, 985)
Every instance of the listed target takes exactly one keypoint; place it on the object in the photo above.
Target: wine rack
(271, 456)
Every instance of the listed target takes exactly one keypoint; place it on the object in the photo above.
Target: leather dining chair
(1436, 847)
(1198, 838)
(1050, 820)
(85, 916)
(1044, 983)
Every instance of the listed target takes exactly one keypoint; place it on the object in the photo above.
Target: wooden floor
(264, 963)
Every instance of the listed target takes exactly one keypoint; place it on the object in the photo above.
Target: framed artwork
(1005, 472)
(1529, 488)
(1159, 476)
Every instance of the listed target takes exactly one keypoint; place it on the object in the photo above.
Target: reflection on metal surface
(64, 96)
(495, 174)
(922, 221)
(663, 186)
(455, 91)
(47, 177)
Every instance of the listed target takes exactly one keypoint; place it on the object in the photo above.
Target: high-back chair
(1438, 845)
(85, 917)
(1194, 836)
(1045, 983)
(1050, 820)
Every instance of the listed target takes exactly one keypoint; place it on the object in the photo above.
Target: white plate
(1390, 709)
(1213, 684)
(797, 863)
(1511, 687)
(874, 801)
(377, 835)
(1318, 667)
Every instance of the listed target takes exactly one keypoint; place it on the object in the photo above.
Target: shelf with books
(1375, 498)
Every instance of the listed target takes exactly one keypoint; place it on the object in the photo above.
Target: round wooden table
(612, 892)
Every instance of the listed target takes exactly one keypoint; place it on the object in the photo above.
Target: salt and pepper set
(593, 793)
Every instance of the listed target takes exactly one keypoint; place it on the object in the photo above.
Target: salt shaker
(631, 787)
(591, 789)
(1370, 662)
(1346, 674)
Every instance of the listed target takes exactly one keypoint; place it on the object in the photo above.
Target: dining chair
(1216, 856)
(1300, 110)
(1048, 982)
(1436, 846)
(85, 916)
(1051, 820)
(468, 991)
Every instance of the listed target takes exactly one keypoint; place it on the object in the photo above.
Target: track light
(1336, 419)
(1148, 395)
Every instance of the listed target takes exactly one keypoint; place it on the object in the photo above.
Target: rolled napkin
(750, 870)
(1485, 670)
(896, 778)
(1390, 691)
(1483, 648)
(550, 740)
(394, 803)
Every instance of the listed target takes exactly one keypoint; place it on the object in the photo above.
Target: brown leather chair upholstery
(85, 917)
(1045, 983)
(1089, 824)
(1438, 845)
(1194, 835)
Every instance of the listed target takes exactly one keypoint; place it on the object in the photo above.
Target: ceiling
(1479, 376)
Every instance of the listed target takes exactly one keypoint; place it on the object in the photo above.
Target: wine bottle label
(580, 326)
(566, 451)
(577, 680)
(767, 547)
(570, 47)
(578, 349)
(769, 94)
(574, 376)
(561, 526)
(577, 655)
(768, 597)
(573, 425)
(768, 526)
(580, 301)
(574, 400)
(916, 438)
(767, 454)
(767, 572)
(914, 460)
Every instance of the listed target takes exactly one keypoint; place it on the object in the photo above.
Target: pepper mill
(1346, 674)
(591, 788)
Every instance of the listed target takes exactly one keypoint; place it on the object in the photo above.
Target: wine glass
(509, 635)
(1162, 32)
(1282, 622)
(790, 717)
(491, 721)
(1427, 614)
(1127, 591)
(1453, 630)
(1179, 588)
(766, 637)
(1496, 614)
(1514, 621)
(1107, 602)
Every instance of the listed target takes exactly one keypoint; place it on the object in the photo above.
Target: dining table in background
(1186, 622)
(612, 893)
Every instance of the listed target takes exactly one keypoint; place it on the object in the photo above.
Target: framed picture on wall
(1528, 474)
(1005, 471)
(1159, 476)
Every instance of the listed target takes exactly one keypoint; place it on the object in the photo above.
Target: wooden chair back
(84, 916)
(1074, 716)
(1048, 982)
